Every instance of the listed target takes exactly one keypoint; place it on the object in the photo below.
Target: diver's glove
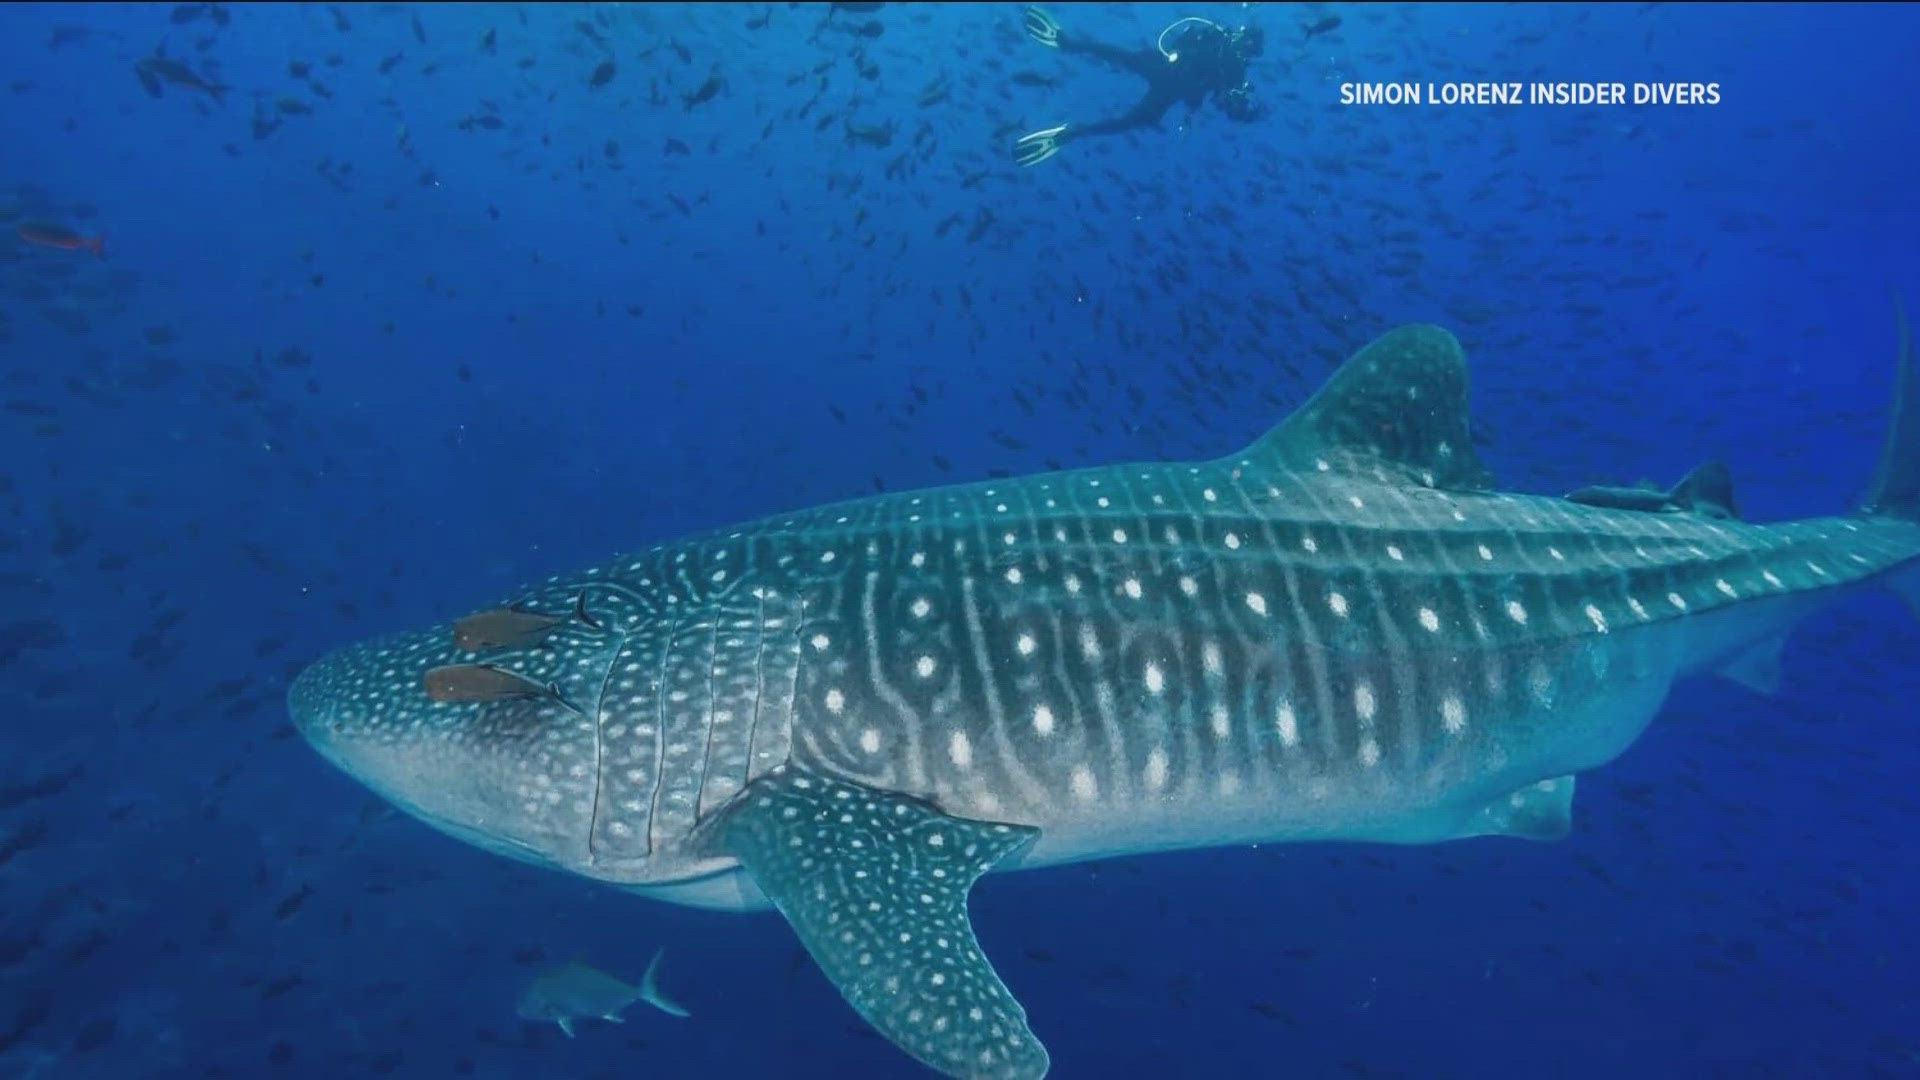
(1034, 148)
(1041, 27)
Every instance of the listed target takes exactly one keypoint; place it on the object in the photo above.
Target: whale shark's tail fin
(1896, 487)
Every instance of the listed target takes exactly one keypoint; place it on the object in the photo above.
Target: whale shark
(851, 713)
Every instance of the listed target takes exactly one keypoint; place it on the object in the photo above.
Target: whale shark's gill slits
(684, 662)
(667, 683)
(627, 748)
(770, 740)
(740, 632)
(599, 751)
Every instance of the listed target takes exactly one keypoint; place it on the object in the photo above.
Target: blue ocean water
(400, 307)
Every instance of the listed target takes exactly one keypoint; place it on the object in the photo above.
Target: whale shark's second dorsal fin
(1707, 490)
(1396, 410)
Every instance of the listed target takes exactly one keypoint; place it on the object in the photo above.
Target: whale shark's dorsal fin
(1396, 410)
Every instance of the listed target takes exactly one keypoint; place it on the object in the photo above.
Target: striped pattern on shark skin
(1340, 632)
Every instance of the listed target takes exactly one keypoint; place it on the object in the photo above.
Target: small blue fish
(573, 990)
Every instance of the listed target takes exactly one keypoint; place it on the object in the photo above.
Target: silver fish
(574, 990)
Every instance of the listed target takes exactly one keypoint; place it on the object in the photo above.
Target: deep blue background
(188, 517)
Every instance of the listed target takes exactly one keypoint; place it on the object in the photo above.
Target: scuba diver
(1192, 59)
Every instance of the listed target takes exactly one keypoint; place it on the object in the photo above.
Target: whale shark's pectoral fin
(875, 884)
(1541, 811)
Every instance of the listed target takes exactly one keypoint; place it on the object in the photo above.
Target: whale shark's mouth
(476, 833)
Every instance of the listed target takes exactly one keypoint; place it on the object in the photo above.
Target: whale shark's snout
(513, 773)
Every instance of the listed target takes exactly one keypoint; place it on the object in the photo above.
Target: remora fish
(59, 236)
(853, 712)
(1706, 490)
(511, 628)
(478, 683)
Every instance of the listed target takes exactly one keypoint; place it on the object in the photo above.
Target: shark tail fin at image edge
(1896, 486)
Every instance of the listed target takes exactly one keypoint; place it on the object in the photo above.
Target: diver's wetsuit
(1206, 63)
